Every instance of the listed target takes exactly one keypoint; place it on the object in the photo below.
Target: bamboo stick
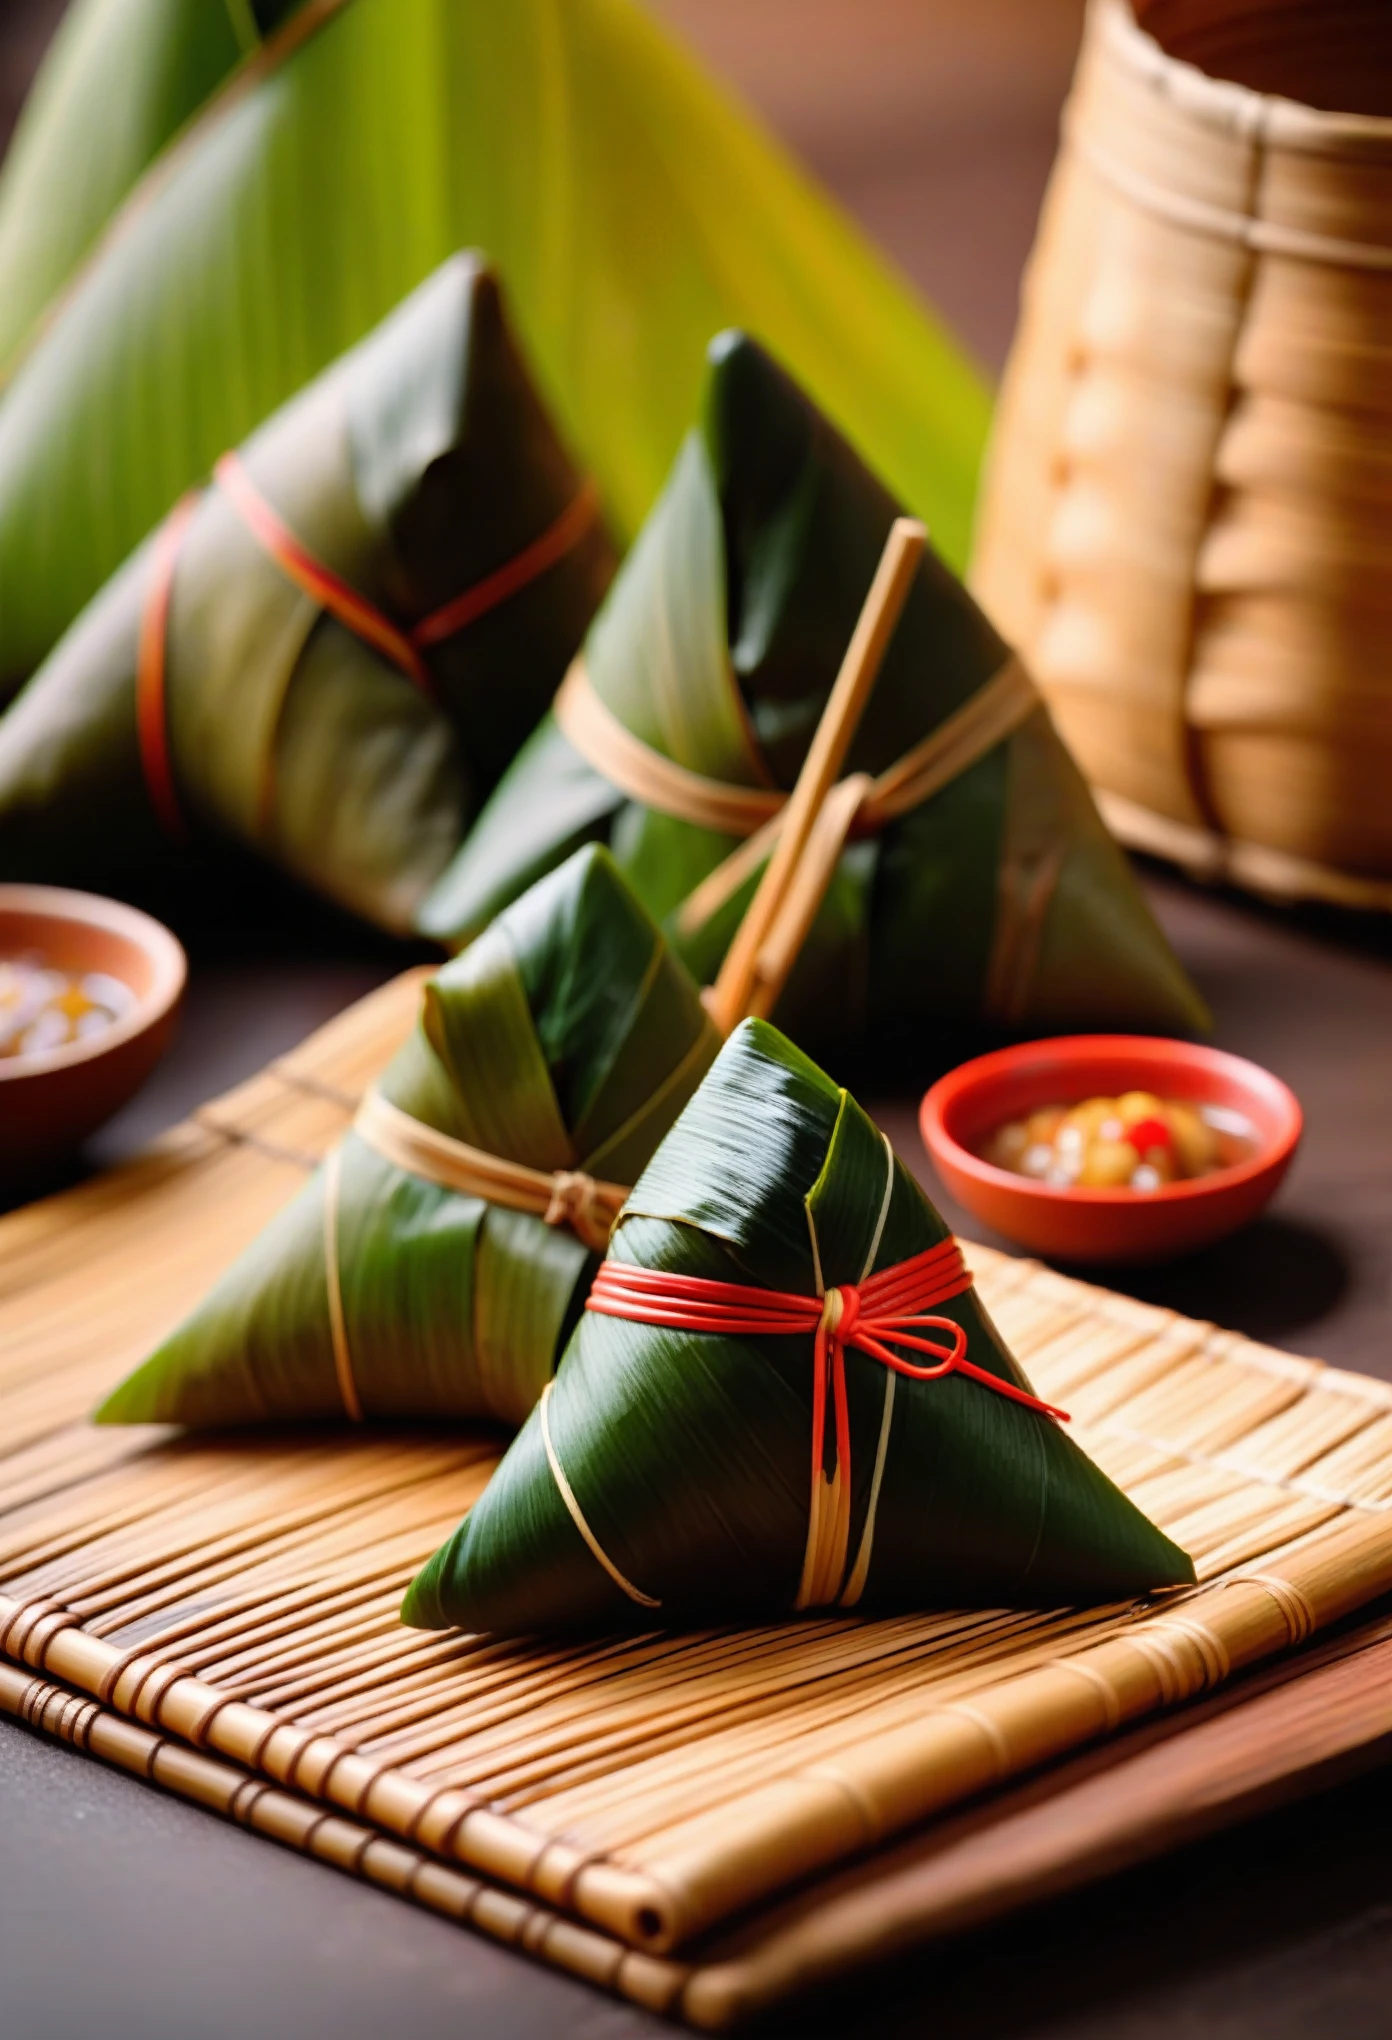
(738, 980)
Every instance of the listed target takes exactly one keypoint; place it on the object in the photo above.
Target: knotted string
(877, 1317)
(312, 577)
(854, 807)
(575, 1202)
(403, 648)
(560, 1197)
(563, 1197)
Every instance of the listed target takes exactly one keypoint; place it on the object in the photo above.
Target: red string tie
(404, 648)
(878, 1317)
(888, 1310)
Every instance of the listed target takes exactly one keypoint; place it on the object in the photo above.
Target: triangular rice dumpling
(331, 654)
(403, 1280)
(980, 881)
(665, 1476)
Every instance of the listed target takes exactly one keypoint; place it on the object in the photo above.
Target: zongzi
(434, 1264)
(776, 1282)
(978, 880)
(332, 652)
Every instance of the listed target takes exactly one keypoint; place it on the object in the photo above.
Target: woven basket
(1187, 520)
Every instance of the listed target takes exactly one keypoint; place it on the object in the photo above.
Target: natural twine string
(993, 713)
(577, 1514)
(798, 838)
(575, 1198)
(338, 1329)
(561, 1197)
(564, 1197)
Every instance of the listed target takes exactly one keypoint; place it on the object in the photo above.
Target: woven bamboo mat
(1306, 1721)
(624, 1808)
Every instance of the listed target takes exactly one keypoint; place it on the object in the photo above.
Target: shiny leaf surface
(454, 1306)
(687, 1452)
(723, 661)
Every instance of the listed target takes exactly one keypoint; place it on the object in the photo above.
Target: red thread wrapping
(888, 1310)
(330, 591)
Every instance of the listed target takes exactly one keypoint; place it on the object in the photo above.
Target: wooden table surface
(125, 1914)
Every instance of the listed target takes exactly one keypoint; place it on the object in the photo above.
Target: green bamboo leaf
(452, 1305)
(120, 79)
(630, 207)
(1002, 896)
(660, 646)
(416, 466)
(686, 1453)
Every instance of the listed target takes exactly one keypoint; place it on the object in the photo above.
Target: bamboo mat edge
(956, 1752)
(64, 1714)
(1296, 1729)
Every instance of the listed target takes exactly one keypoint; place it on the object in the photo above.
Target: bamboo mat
(1305, 1722)
(625, 1808)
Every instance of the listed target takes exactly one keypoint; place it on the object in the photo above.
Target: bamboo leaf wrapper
(988, 885)
(566, 1040)
(331, 654)
(681, 1455)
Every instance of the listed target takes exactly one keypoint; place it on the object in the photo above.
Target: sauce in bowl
(1137, 1141)
(43, 1009)
(1220, 1137)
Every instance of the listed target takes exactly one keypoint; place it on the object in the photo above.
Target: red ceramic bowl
(49, 1102)
(1072, 1224)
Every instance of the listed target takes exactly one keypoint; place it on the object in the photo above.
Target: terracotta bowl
(1069, 1223)
(51, 1101)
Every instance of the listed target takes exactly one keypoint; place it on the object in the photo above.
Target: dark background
(130, 1915)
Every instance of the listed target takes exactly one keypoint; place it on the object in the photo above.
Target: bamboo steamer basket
(1186, 523)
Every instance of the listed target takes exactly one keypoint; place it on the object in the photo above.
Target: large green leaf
(568, 1037)
(718, 645)
(631, 209)
(121, 77)
(687, 1453)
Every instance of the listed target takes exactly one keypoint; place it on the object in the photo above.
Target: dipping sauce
(1134, 1142)
(42, 1009)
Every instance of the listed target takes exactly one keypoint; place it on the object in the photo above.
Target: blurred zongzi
(978, 880)
(434, 1264)
(333, 651)
(777, 1278)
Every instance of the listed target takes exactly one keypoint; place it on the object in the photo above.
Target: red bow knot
(885, 1312)
(888, 1310)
